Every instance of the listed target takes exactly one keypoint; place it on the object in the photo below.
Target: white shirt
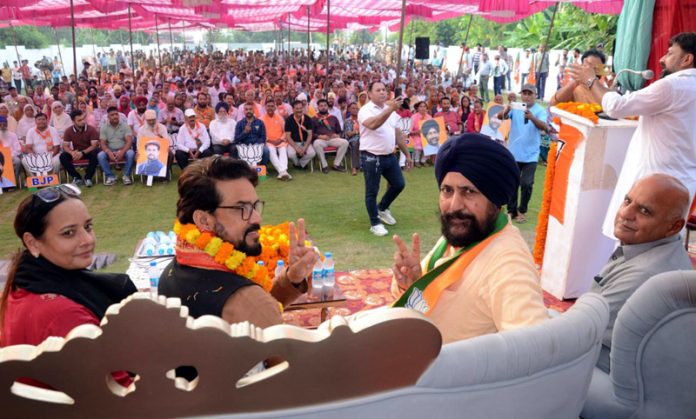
(135, 121)
(222, 130)
(159, 131)
(185, 140)
(336, 111)
(382, 140)
(665, 140)
(40, 145)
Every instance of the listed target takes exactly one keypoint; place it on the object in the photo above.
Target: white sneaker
(88, 183)
(379, 230)
(386, 217)
(127, 180)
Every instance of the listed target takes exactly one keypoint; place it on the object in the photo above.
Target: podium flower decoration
(586, 110)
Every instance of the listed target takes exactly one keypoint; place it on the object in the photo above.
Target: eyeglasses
(247, 208)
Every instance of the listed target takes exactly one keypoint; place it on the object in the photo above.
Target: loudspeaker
(422, 48)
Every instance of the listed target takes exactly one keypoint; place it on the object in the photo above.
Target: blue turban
(3, 119)
(487, 164)
(222, 105)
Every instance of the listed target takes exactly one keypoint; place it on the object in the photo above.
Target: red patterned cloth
(370, 288)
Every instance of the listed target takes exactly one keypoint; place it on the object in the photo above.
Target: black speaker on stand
(422, 48)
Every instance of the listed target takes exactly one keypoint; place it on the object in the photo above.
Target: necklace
(205, 248)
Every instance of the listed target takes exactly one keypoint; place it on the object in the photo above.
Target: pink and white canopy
(265, 15)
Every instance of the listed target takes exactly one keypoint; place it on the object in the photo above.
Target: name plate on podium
(588, 162)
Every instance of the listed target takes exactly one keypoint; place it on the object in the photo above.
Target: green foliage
(28, 36)
(362, 37)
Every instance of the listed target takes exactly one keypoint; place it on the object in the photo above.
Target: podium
(588, 162)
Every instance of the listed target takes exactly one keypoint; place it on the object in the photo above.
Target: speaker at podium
(422, 48)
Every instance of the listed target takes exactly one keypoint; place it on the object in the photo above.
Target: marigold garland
(586, 110)
(543, 220)
(275, 246)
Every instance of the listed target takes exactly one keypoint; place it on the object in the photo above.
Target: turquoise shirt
(525, 139)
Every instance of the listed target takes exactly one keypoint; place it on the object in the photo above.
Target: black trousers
(182, 157)
(527, 171)
(67, 161)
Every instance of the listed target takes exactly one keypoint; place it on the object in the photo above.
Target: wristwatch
(590, 82)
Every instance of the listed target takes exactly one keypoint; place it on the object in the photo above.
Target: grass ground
(332, 205)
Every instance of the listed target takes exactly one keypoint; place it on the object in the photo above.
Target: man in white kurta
(665, 140)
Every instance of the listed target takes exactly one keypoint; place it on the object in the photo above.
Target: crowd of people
(479, 278)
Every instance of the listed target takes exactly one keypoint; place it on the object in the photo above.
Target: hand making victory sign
(407, 268)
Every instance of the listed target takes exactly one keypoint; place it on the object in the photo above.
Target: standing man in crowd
(379, 135)
(192, 142)
(541, 63)
(116, 139)
(80, 142)
(298, 133)
(327, 133)
(484, 73)
(665, 140)
(524, 143)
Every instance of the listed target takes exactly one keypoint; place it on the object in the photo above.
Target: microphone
(646, 74)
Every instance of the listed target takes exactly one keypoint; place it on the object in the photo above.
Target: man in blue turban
(480, 277)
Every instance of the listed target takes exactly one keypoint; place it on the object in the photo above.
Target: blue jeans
(106, 168)
(541, 84)
(498, 84)
(374, 167)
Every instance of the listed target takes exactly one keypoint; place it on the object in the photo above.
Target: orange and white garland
(275, 245)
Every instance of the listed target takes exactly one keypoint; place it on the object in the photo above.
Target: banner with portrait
(433, 134)
(7, 176)
(152, 157)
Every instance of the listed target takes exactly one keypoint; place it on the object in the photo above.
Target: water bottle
(329, 274)
(154, 275)
(279, 268)
(149, 246)
(317, 274)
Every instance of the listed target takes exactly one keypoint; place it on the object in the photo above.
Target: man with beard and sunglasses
(217, 195)
(665, 140)
(480, 277)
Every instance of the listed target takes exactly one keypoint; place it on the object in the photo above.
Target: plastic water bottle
(154, 275)
(279, 268)
(149, 245)
(329, 274)
(317, 275)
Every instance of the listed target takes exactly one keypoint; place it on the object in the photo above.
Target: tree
(28, 36)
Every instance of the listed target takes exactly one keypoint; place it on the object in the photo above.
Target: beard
(241, 245)
(323, 112)
(474, 230)
(665, 72)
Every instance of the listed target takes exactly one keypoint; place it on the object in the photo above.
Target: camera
(520, 106)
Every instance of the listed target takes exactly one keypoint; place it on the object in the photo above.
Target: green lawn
(332, 205)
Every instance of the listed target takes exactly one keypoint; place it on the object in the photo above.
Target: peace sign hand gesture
(301, 259)
(407, 268)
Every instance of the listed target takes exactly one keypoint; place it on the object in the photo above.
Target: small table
(326, 299)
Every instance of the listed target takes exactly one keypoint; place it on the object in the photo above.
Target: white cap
(301, 97)
(189, 112)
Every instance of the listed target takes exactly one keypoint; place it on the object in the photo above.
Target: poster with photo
(7, 177)
(152, 157)
(433, 134)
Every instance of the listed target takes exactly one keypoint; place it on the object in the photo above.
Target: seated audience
(250, 131)
(480, 277)
(9, 140)
(327, 133)
(298, 133)
(59, 119)
(193, 141)
(42, 148)
(218, 195)
(275, 139)
(647, 225)
(222, 130)
(115, 140)
(80, 142)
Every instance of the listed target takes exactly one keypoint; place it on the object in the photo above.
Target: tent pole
(548, 38)
(157, 37)
(14, 35)
(466, 39)
(183, 34)
(328, 19)
(130, 37)
(401, 44)
(171, 38)
(308, 50)
(72, 25)
(288, 35)
(60, 55)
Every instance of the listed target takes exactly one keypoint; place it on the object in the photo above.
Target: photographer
(528, 120)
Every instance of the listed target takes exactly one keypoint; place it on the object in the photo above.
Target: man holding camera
(528, 120)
